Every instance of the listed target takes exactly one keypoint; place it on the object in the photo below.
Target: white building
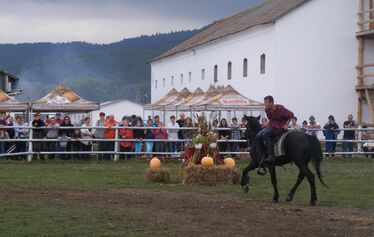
(118, 108)
(303, 52)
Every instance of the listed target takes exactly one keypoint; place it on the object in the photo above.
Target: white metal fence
(116, 151)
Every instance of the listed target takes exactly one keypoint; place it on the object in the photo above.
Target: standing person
(62, 144)
(160, 133)
(3, 135)
(125, 133)
(87, 133)
(156, 121)
(100, 134)
(214, 124)
(76, 144)
(349, 134)
(234, 135)
(66, 122)
(180, 122)
(172, 134)
(294, 125)
(149, 134)
(58, 118)
(331, 132)
(243, 146)
(21, 133)
(279, 118)
(38, 146)
(223, 135)
(139, 136)
(110, 133)
(304, 126)
(188, 133)
(52, 133)
(313, 124)
(264, 122)
(10, 146)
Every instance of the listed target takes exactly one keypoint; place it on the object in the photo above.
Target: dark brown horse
(300, 149)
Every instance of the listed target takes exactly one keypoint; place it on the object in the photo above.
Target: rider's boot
(270, 150)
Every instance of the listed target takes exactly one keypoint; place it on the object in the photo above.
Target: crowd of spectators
(63, 136)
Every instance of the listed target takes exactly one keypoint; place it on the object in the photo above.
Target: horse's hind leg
(274, 183)
(310, 176)
(300, 178)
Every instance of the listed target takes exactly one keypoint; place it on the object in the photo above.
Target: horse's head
(253, 125)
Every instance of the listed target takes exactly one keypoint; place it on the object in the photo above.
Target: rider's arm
(287, 123)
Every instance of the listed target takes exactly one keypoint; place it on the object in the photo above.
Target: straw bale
(158, 175)
(210, 176)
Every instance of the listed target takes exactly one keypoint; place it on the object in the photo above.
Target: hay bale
(159, 175)
(210, 176)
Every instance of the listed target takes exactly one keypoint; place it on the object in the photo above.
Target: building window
(172, 80)
(229, 71)
(163, 82)
(215, 73)
(202, 74)
(245, 67)
(190, 77)
(181, 78)
(263, 62)
(155, 84)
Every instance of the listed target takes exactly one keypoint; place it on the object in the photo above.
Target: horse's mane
(253, 123)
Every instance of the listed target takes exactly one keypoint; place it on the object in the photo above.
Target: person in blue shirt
(331, 131)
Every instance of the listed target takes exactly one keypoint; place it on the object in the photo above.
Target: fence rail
(116, 151)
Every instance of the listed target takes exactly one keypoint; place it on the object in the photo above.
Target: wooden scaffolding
(365, 70)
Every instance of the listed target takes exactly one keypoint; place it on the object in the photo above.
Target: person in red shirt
(279, 118)
(58, 118)
(125, 133)
(109, 133)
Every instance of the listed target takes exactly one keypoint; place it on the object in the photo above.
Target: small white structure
(118, 108)
(303, 52)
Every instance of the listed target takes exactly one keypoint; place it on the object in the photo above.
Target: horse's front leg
(274, 183)
(245, 178)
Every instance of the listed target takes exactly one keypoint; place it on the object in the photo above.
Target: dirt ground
(189, 214)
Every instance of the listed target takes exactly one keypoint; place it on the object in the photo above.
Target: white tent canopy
(62, 99)
(10, 104)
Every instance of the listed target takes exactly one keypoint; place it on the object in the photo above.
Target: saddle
(278, 146)
(278, 143)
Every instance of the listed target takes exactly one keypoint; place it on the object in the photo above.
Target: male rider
(279, 118)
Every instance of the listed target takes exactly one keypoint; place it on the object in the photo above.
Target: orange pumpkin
(155, 163)
(230, 162)
(207, 161)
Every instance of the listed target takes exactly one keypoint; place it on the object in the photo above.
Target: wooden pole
(367, 95)
(371, 15)
(361, 16)
(359, 108)
(359, 77)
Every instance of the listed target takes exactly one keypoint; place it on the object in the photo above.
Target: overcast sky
(105, 21)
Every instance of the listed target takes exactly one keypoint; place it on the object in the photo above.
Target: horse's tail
(317, 155)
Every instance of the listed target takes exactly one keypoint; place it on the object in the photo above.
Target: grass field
(350, 181)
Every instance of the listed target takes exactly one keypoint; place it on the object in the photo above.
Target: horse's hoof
(312, 203)
(244, 181)
(289, 199)
(245, 188)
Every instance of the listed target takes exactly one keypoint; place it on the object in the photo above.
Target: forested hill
(98, 72)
